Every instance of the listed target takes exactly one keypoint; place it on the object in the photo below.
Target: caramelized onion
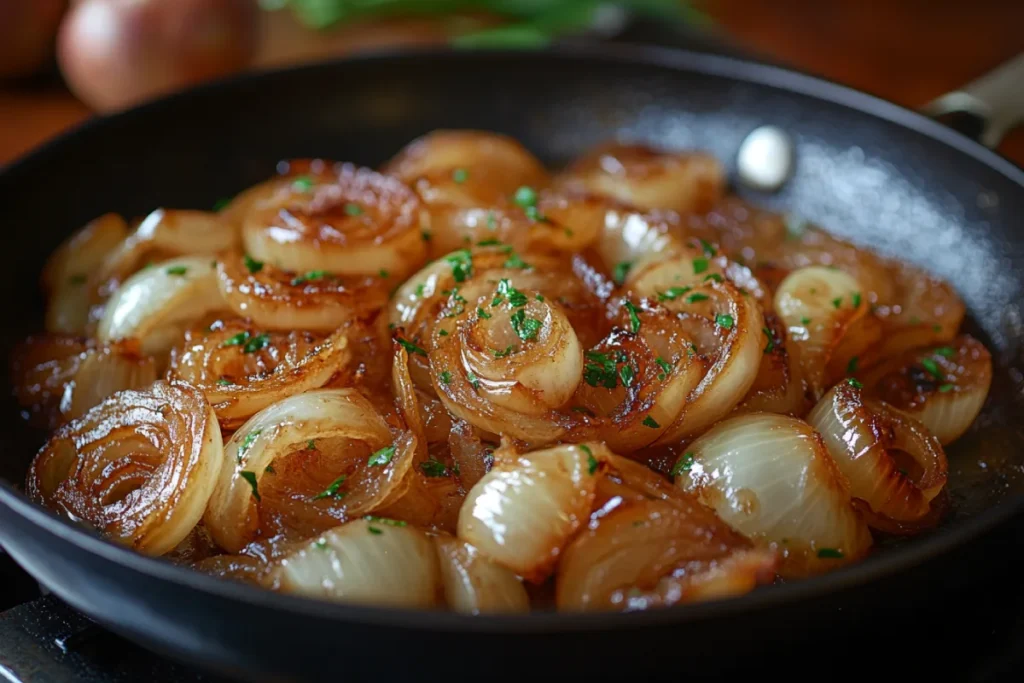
(59, 378)
(157, 304)
(943, 387)
(771, 478)
(242, 370)
(521, 514)
(779, 386)
(140, 466)
(368, 561)
(889, 459)
(344, 220)
(475, 585)
(286, 427)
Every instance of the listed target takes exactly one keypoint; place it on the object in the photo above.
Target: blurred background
(62, 61)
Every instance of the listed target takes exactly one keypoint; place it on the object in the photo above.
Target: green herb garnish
(252, 264)
(621, 271)
(830, 553)
(856, 299)
(851, 367)
(684, 464)
(434, 468)
(461, 262)
(505, 352)
(945, 351)
(634, 319)
(854, 382)
(650, 422)
(236, 339)
(672, 293)
(696, 297)
(177, 270)
(933, 368)
(459, 175)
(446, 377)
(665, 366)
(699, 265)
(253, 483)
(302, 184)
(525, 196)
(353, 209)
(310, 277)
(945, 387)
(332, 490)
(723, 320)
(381, 457)
(410, 347)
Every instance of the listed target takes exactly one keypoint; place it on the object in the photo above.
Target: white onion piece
(367, 561)
(629, 236)
(865, 437)
(770, 478)
(157, 304)
(779, 386)
(475, 585)
(68, 273)
(287, 426)
(140, 466)
(522, 513)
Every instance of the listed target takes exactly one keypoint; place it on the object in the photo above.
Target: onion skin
(367, 561)
(286, 427)
(239, 380)
(282, 300)
(475, 585)
(157, 304)
(522, 513)
(69, 275)
(339, 218)
(648, 178)
(140, 466)
(863, 436)
(944, 388)
(59, 378)
(771, 478)
(116, 53)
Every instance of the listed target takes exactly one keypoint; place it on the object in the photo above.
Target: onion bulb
(771, 478)
(373, 561)
(942, 387)
(648, 178)
(243, 370)
(475, 585)
(521, 514)
(57, 379)
(116, 53)
(288, 426)
(140, 466)
(890, 460)
(157, 304)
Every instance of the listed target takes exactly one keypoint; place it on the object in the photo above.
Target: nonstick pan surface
(866, 169)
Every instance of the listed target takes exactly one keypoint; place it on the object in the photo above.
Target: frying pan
(866, 169)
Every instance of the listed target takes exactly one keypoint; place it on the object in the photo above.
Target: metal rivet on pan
(765, 158)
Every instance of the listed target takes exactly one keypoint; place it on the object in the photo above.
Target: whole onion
(116, 53)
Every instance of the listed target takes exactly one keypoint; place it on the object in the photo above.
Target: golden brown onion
(889, 459)
(771, 478)
(475, 585)
(943, 387)
(289, 426)
(779, 386)
(58, 378)
(341, 219)
(242, 369)
(140, 466)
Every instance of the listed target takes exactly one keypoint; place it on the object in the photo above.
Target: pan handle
(988, 107)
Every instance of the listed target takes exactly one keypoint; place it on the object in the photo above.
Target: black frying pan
(866, 169)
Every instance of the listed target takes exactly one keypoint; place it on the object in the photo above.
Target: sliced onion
(649, 178)
(872, 443)
(157, 304)
(629, 236)
(341, 219)
(288, 426)
(943, 387)
(68, 276)
(367, 561)
(473, 458)
(140, 466)
(771, 478)
(281, 300)
(58, 378)
(243, 370)
(521, 514)
(779, 386)
(475, 585)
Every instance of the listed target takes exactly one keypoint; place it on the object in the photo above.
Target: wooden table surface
(908, 51)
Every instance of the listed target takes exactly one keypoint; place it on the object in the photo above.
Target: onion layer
(140, 466)
(368, 561)
(889, 459)
(475, 585)
(771, 478)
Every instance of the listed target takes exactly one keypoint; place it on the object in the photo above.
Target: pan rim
(642, 56)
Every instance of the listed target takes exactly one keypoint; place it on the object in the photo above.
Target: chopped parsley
(387, 521)
(482, 313)
(506, 291)
(621, 271)
(515, 262)
(269, 469)
(473, 381)
(830, 554)
(236, 339)
(381, 457)
(856, 299)
(384, 274)
(699, 265)
(665, 366)
(634, 319)
(446, 377)
(302, 184)
(696, 297)
(771, 340)
(805, 320)
(461, 262)
(650, 422)
(489, 243)
(420, 289)
(525, 328)
(627, 374)
(505, 352)
(492, 222)
(177, 270)
(684, 464)
(320, 544)
(709, 250)
(854, 382)
(252, 264)
(714, 277)
(256, 343)
(525, 197)
(591, 460)
(945, 351)
(253, 483)
(332, 490)
(434, 468)
(225, 382)
(425, 235)
(221, 203)
(374, 530)
(932, 367)
(459, 175)
(851, 367)
(945, 387)
(672, 293)
(247, 442)
(410, 347)
(311, 276)
(353, 209)
(442, 333)
(599, 370)
(725, 321)
(311, 445)
(837, 302)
